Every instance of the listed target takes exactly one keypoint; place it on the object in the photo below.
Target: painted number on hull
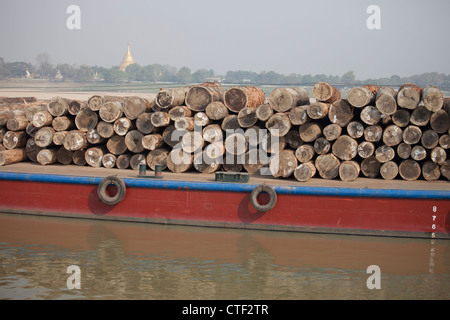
(433, 225)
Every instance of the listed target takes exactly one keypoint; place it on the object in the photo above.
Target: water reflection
(121, 260)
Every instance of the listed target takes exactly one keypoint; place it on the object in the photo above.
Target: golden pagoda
(127, 60)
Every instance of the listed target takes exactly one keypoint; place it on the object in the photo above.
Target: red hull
(293, 212)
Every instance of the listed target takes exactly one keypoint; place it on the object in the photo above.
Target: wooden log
(201, 119)
(158, 156)
(134, 106)
(298, 115)
(42, 119)
(95, 102)
(216, 110)
(94, 156)
(264, 112)
(236, 143)
(230, 123)
(111, 111)
(418, 153)
(179, 160)
(5, 116)
(172, 136)
(404, 150)
(440, 121)
(204, 164)
(109, 160)
(408, 96)
(58, 106)
(63, 123)
(247, 117)
(237, 98)
(47, 156)
(386, 101)
(192, 142)
(293, 139)
(105, 129)
(15, 139)
(322, 146)
(233, 163)
(431, 171)
(389, 170)
(167, 98)
(133, 141)
(180, 112)
(366, 149)
(75, 106)
(199, 97)
(160, 119)
(78, 157)
(430, 139)
(12, 156)
(32, 150)
(384, 153)
(116, 145)
(332, 131)
(420, 116)
(215, 150)
(123, 161)
(412, 134)
(433, 98)
(272, 144)
(325, 92)
(30, 111)
(444, 141)
(254, 160)
(123, 125)
(305, 171)
(19, 123)
(44, 137)
(93, 137)
(349, 170)
(360, 97)
(136, 160)
(310, 131)
(184, 123)
(438, 155)
(318, 110)
(144, 123)
(401, 118)
(392, 135)
(373, 133)
(409, 170)
(370, 167)
(283, 163)
(152, 141)
(75, 140)
(64, 156)
(213, 133)
(284, 99)
(86, 120)
(370, 115)
(345, 148)
(355, 129)
(30, 130)
(340, 113)
(445, 170)
(328, 166)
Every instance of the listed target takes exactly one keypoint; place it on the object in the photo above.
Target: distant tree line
(166, 73)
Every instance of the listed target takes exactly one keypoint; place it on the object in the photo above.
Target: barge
(415, 209)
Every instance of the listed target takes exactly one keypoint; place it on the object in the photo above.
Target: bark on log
(340, 113)
(160, 119)
(384, 153)
(389, 170)
(75, 140)
(173, 97)
(431, 171)
(184, 123)
(179, 160)
(134, 106)
(283, 164)
(64, 156)
(373, 133)
(370, 115)
(17, 123)
(328, 166)
(123, 125)
(433, 98)
(322, 146)
(420, 116)
(47, 156)
(349, 170)
(392, 135)
(44, 137)
(158, 156)
(408, 96)
(63, 123)
(105, 129)
(386, 101)
(58, 106)
(200, 96)
(370, 167)
(430, 139)
(366, 149)
(310, 131)
(109, 160)
(116, 145)
(213, 133)
(111, 111)
(264, 112)
(123, 161)
(345, 148)
(297, 115)
(93, 137)
(5, 116)
(362, 96)
(440, 121)
(355, 129)
(401, 118)
(404, 150)
(42, 119)
(438, 155)
(12, 156)
(78, 157)
(409, 170)
(86, 120)
(216, 110)
(15, 139)
(204, 164)
(412, 134)
(332, 131)
(318, 110)
(418, 153)
(325, 92)
(305, 171)
(136, 160)
(144, 123)
(180, 112)
(247, 117)
(284, 99)
(237, 98)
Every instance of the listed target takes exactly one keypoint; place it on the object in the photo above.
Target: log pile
(374, 132)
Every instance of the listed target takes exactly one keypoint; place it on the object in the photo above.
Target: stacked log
(374, 132)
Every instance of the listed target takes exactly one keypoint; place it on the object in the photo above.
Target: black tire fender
(103, 195)
(254, 198)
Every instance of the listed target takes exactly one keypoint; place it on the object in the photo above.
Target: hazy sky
(285, 36)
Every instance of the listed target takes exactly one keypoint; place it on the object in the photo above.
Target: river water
(122, 260)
